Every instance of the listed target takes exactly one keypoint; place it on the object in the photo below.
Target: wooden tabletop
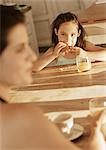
(65, 78)
(94, 14)
(59, 83)
(83, 139)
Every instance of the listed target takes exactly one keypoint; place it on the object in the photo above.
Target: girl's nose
(69, 40)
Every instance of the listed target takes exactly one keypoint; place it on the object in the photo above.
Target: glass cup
(83, 63)
(96, 105)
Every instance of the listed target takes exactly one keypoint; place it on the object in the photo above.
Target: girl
(23, 126)
(68, 40)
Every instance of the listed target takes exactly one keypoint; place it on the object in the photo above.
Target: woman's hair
(67, 17)
(9, 17)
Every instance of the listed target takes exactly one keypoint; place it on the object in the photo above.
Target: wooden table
(68, 76)
(53, 80)
(59, 83)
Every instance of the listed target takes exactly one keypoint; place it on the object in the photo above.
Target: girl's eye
(73, 34)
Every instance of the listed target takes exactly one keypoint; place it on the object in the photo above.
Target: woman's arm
(24, 127)
(96, 140)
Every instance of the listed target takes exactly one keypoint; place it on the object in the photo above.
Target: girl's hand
(58, 48)
(72, 52)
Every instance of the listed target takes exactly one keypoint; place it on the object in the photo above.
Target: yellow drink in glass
(83, 64)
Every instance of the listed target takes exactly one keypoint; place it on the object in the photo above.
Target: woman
(23, 126)
(16, 56)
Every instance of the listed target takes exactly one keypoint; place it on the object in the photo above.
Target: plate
(76, 131)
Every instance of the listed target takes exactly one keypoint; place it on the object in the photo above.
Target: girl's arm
(48, 56)
(44, 60)
(95, 53)
(92, 47)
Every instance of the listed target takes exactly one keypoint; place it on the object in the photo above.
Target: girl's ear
(55, 30)
(79, 33)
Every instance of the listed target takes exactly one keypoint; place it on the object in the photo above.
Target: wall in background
(44, 11)
(100, 1)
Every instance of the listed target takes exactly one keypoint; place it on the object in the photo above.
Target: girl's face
(68, 33)
(17, 59)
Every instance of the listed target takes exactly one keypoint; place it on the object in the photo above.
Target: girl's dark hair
(9, 17)
(67, 17)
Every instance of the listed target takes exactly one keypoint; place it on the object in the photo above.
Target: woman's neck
(4, 92)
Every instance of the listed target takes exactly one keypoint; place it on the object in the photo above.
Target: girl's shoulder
(90, 46)
(49, 51)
